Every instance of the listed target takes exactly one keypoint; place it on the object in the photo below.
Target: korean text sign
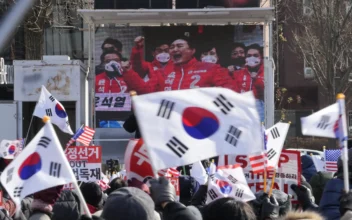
(85, 162)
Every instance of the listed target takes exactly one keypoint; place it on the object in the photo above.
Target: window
(307, 10)
(308, 71)
(349, 122)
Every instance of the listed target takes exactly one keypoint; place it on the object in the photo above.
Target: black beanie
(92, 193)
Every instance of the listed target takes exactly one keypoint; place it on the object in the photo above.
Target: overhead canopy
(145, 17)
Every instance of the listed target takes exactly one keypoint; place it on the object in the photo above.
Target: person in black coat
(131, 126)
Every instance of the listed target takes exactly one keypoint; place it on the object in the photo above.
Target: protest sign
(288, 172)
(85, 162)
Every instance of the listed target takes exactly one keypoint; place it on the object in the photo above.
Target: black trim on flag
(224, 105)
(9, 174)
(271, 153)
(233, 135)
(324, 122)
(212, 194)
(44, 142)
(51, 98)
(239, 193)
(177, 147)
(165, 109)
(17, 191)
(48, 112)
(55, 169)
(275, 133)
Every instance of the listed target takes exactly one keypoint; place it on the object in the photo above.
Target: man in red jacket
(111, 81)
(187, 73)
(252, 76)
(161, 60)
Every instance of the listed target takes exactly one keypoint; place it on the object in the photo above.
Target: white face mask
(163, 57)
(210, 59)
(252, 61)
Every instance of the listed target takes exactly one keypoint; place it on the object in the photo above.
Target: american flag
(331, 157)
(258, 162)
(169, 172)
(83, 135)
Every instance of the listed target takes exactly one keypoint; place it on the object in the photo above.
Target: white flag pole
(343, 138)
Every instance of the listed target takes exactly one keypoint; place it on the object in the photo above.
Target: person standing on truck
(111, 80)
(186, 72)
(251, 78)
(161, 60)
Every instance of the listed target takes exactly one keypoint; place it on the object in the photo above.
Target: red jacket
(194, 74)
(103, 84)
(246, 83)
(139, 65)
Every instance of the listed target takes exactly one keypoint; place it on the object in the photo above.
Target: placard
(85, 162)
(288, 173)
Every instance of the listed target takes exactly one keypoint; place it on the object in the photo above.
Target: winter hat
(92, 193)
(129, 203)
(188, 187)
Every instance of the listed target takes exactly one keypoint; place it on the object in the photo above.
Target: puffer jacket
(67, 207)
(318, 182)
(308, 168)
(4, 216)
(330, 201)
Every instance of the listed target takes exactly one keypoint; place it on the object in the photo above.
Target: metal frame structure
(165, 17)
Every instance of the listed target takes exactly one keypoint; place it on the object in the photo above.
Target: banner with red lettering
(288, 172)
(85, 162)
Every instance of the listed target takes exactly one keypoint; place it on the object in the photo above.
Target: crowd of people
(176, 66)
(320, 198)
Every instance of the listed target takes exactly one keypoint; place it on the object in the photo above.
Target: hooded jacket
(67, 207)
(308, 168)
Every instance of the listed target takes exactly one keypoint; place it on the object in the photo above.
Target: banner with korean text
(85, 162)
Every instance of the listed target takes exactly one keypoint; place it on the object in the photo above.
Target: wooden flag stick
(272, 183)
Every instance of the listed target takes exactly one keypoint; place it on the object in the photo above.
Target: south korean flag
(49, 106)
(185, 126)
(42, 164)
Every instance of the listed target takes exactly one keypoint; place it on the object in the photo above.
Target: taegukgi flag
(322, 123)
(49, 106)
(41, 165)
(185, 126)
(275, 139)
(9, 149)
(224, 184)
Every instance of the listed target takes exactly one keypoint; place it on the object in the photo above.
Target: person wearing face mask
(209, 56)
(238, 57)
(186, 73)
(162, 60)
(251, 78)
(109, 44)
(111, 80)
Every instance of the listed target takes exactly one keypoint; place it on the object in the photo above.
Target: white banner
(113, 102)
